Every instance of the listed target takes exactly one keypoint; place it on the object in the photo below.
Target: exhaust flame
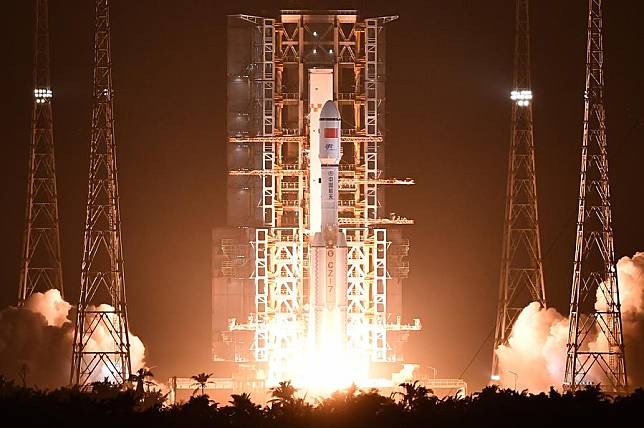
(330, 365)
(325, 365)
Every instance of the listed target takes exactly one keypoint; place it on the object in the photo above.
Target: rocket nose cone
(329, 111)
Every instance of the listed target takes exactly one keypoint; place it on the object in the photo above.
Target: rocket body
(329, 154)
(320, 90)
(328, 279)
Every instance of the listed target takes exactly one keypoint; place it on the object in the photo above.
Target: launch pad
(308, 272)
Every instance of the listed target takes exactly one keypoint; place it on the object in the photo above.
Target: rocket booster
(328, 280)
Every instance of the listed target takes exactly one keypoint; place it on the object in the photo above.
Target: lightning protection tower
(521, 270)
(41, 267)
(102, 278)
(595, 341)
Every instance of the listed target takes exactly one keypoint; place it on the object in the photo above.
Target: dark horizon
(449, 76)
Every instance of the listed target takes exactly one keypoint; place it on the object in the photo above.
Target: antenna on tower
(595, 340)
(41, 267)
(521, 279)
(102, 277)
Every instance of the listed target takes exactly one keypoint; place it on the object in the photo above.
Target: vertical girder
(371, 116)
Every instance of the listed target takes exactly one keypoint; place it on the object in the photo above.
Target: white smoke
(536, 349)
(36, 341)
(630, 273)
(50, 305)
(101, 340)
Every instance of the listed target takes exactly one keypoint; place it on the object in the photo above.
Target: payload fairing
(328, 283)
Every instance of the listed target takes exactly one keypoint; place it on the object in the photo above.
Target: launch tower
(281, 71)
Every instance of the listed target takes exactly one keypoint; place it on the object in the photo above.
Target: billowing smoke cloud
(36, 342)
(102, 339)
(51, 306)
(536, 350)
(631, 288)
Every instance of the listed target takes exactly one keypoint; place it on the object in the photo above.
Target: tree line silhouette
(108, 405)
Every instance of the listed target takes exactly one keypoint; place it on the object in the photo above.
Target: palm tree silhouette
(105, 389)
(284, 403)
(242, 405)
(413, 395)
(283, 394)
(141, 377)
(201, 380)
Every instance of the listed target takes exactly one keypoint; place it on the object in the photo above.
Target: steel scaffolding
(268, 184)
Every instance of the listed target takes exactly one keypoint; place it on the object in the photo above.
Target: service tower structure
(281, 72)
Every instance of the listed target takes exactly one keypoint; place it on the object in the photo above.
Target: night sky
(448, 115)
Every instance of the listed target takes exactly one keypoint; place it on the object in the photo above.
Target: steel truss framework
(281, 245)
(521, 279)
(102, 276)
(595, 340)
(279, 324)
(41, 267)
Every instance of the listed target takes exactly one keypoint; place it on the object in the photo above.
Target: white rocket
(328, 270)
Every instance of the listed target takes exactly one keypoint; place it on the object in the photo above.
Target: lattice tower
(102, 276)
(41, 267)
(521, 279)
(595, 349)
